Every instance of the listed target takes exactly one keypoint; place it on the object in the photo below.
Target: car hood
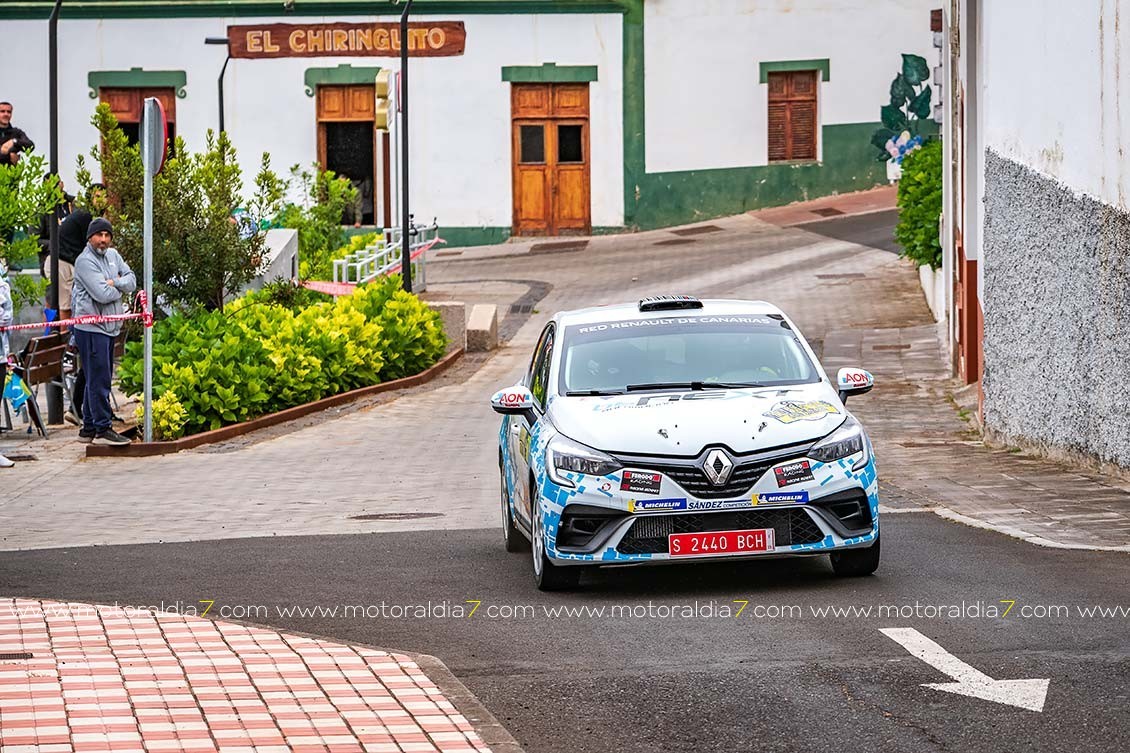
(684, 423)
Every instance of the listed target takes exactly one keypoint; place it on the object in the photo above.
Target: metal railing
(385, 257)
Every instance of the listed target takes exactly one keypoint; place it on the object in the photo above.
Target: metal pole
(405, 219)
(54, 390)
(147, 260)
(222, 72)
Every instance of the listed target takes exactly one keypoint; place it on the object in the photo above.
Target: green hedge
(258, 357)
(920, 205)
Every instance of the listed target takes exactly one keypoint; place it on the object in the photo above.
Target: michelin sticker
(788, 411)
(781, 498)
(656, 505)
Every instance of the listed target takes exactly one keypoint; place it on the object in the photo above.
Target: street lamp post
(405, 218)
(54, 390)
(220, 85)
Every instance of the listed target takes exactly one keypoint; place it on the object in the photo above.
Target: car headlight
(563, 454)
(845, 441)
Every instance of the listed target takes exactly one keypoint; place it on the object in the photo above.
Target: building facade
(550, 118)
(1040, 209)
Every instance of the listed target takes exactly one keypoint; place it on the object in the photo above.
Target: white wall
(460, 107)
(706, 107)
(1053, 95)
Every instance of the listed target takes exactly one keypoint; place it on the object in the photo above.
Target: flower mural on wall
(910, 104)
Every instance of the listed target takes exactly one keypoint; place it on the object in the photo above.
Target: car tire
(511, 536)
(854, 563)
(548, 576)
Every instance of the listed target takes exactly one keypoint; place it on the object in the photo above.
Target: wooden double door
(350, 144)
(550, 157)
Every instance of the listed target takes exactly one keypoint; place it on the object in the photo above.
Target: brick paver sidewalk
(115, 679)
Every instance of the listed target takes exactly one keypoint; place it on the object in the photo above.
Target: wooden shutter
(792, 116)
(802, 127)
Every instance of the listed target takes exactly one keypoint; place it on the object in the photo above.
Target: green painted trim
(679, 198)
(106, 9)
(136, 78)
(820, 64)
(633, 110)
(549, 73)
(461, 237)
(342, 74)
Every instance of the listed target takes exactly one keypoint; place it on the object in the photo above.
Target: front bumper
(596, 523)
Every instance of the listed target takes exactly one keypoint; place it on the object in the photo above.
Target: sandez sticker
(706, 505)
(639, 482)
(781, 498)
(788, 411)
(793, 473)
(656, 505)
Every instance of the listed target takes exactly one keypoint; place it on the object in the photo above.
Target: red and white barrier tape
(146, 317)
(347, 288)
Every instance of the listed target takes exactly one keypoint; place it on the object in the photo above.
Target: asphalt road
(782, 676)
(587, 682)
(874, 229)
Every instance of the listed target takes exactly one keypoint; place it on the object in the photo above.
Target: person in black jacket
(66, 206)
(12, 140)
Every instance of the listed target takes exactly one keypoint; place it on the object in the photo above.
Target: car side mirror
(512, 400)
(854, 382)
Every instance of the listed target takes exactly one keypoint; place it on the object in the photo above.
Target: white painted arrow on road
(1025, 694)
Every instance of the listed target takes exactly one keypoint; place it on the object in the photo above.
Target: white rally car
(683, 430)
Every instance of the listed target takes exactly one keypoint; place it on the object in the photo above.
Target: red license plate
(720, 543)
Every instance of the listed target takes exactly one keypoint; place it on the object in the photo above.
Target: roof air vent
(669, 303)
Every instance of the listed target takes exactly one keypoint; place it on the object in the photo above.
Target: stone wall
(1057, 315)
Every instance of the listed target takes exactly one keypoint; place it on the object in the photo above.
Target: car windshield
(682, 352)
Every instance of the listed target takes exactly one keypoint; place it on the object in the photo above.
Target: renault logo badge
(717, 467)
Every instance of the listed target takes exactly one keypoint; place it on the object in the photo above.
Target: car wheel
(853, 563)
(511, 536)
(548, 576)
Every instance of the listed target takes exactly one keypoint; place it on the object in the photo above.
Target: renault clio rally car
(679, 430)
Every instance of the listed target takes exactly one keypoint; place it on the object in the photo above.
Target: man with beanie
(72, 242)
(101, 279)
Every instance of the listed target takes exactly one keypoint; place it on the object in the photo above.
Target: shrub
(257, 357)
(169, 416)
(318, 217)
(201, 254)
(920, 205)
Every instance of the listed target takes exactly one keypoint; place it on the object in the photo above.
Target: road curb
(496, 736)
(1016, 533)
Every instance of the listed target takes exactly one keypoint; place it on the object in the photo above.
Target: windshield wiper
(593, 393)
(691, 386)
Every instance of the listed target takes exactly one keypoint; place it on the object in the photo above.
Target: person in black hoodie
(72, 240)
(66, 206)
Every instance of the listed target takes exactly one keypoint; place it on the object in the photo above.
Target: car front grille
(695, 482)
(648, 535)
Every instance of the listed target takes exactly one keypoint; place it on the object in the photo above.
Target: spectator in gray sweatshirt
(102, 278)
